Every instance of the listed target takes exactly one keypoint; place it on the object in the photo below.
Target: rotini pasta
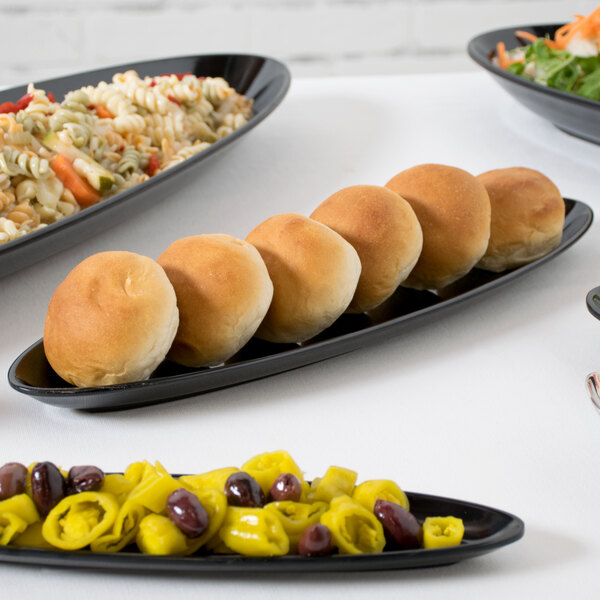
(59, 157)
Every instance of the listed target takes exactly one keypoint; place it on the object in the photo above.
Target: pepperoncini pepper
(217, 546)
(16, 514)
(154, 489)
(296, 517)
(441, 532)
(135, 471)
(215, 479)
(79, 519)
(354, 529)
(32, 538)
(337, 481)
(254, 532)
(124, 530)
(117, 485)
(368, 492)
(157, 534)
(266, 467)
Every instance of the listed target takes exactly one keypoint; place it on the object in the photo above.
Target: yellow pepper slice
(254, 532)
(79, 519)
(296, 517)
(215, 479)
(16, 514)
(354, 529)
(22, 506)
(135, 471)
(32, 538)
(157, 534)
(10, 526)
(337, 481)
(368, 492)
(266, 467)
(217, 546)
(117, 485)
(441, 532)
(123, 531)
(153, 490)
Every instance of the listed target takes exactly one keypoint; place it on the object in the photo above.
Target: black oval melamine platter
(573, 114)
(486, 529)
(261, 78)
(31, 373)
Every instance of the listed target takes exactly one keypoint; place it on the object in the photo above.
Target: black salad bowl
(572, 114)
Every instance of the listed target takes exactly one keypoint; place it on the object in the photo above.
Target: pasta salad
(57, 158)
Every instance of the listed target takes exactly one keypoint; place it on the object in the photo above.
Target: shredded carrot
(503, 61)
(103, 112)
(83, 192)
(525, 35)
(585, 27)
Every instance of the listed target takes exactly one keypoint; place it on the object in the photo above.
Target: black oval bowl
(573, 114)
(486, 529)
(261, 78)
(31, 373)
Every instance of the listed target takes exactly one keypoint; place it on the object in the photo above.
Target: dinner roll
(528, 214)
(385, 232)
(453, 209)
(112, 320)
(223, 292)
(314, 273)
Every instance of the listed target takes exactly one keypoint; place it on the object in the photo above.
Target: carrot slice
(103, 112)
(525, 35)
(83, 192)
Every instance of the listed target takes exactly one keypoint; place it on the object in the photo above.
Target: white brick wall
(314, 37)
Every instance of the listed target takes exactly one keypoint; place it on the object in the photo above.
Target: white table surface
(486, 404)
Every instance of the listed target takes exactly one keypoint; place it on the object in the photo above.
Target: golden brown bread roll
(453, 209)
(223, 292)
(314, 273)
(385, 232)
(112, 320)
(528, 214)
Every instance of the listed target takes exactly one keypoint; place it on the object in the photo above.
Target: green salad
(558, 69)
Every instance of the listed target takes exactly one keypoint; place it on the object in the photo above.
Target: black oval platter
(486, 529)
(261, 78)
(31, 373)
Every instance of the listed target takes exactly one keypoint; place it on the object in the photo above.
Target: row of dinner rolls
(118, 314)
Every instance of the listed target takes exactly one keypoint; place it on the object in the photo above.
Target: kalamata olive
(315, 541)
(399, 525)
(187, 513)
(47, 486)
(13, 479)
(242, 489)
(286, 487)
(85, 478)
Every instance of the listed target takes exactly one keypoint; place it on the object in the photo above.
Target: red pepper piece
(51, 97)
(8, 107)
(173, 99)
(23, 102)
(153, 165)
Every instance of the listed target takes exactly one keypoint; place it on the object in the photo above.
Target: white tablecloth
(486, 404)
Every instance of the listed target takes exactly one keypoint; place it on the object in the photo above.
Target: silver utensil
(592, 382)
